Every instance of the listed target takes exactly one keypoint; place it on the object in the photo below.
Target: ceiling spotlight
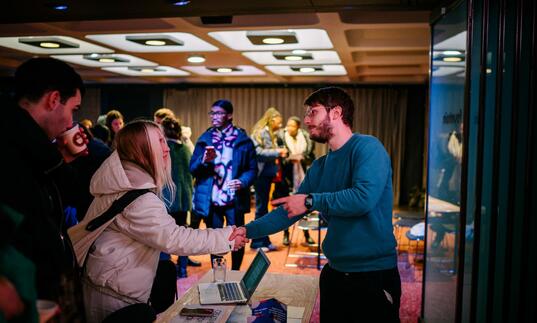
(293, 58)
(452, 59)
(268, 37)
(106, 60)
(94, 55)
(224, 70)
(272, 41)
(180, 3)
(196, 59)
(299, 52)
(307, 69)
(155, 42)
(147, 70)
(49, 45)
(451, 53)
(57, 6)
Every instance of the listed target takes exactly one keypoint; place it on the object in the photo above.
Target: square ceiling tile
(52, 45)
(147, 71)
(295, 57)
(105, 60)
(240, 70)
(243, 40)
(155, 42)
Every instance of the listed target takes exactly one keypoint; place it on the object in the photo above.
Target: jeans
(215, 220)
(372, 296)
(262, 192)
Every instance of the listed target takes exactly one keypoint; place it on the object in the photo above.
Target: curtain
(380, 112)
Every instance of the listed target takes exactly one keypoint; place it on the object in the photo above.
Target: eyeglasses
(218, 113)
(311, 111)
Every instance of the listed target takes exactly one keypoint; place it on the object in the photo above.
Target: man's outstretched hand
(239, 236)
(294, 204)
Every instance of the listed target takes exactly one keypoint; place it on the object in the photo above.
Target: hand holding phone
(209, 155)
(197, 312)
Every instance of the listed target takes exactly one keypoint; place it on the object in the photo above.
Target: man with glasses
(351, 187)
(224, 166)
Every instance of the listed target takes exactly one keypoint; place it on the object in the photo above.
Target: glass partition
(448, 66)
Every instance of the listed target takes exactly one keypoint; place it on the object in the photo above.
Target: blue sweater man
(351, 187)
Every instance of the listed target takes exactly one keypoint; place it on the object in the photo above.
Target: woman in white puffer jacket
(121, 257)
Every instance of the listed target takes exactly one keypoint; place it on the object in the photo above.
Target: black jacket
(36, 182)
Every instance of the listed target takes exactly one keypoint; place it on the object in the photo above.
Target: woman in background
(267, 150)
(114, 122)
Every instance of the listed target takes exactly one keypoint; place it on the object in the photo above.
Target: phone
(200, 312)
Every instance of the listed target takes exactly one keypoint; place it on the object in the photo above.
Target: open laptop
(235, 292)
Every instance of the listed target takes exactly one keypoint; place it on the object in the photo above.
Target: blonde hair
(270, 114)
(134, 144)
(163, 113)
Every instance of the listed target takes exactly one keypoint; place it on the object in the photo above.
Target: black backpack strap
(115, 208)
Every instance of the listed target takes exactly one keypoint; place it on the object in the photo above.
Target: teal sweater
(352, 188)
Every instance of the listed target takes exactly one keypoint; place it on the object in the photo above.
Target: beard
(325, 132)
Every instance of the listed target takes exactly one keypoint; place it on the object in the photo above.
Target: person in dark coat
(224, 173)
(37, 180)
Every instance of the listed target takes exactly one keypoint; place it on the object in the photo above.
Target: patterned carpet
(410, 271)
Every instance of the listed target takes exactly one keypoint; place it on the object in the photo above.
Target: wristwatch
(308, 202)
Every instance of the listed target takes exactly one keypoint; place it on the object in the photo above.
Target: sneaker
(270, 247)
(285, 239)
(310, 241)
(193, 263)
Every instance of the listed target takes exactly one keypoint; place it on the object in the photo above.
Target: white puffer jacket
(124, 255)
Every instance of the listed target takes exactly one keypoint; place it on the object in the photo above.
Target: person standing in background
(267, 150)
(182, 201)
(300, 147)
(224, 166)
(186, 132)
(114, 122)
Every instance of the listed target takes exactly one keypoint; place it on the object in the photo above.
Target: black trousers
(372, 296)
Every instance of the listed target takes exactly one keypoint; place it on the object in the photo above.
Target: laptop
(235, 292)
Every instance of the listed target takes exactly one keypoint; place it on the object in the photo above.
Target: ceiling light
(271, 37)
(293, 58)
(299, 52)
(452, 59)
(49, 45)
(94, 55)
(306, 69)
(489, 70)
(272, 41)
(224, 70)
(157, 40)
(106, 60)
(147, 70)
(103, 60)
(180, 3)
(60, 7)
(196, 59)
(451, 53)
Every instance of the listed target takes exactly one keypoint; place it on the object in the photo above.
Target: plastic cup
(219, 270)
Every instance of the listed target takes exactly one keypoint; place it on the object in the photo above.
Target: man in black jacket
(36, 180)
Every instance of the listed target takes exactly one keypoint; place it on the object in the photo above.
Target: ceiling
(383, 41)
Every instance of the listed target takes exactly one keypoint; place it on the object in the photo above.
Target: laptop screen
(255, 272)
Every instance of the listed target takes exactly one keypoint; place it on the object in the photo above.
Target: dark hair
(37, 76)
(111, 116)
(224, 104)
(171, 127)
(296, 120)
(330, 97)
(101, 132)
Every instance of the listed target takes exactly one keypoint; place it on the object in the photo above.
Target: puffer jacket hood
(116, 176)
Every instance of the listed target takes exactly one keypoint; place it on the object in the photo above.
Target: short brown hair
(171, 127)
(331, 97)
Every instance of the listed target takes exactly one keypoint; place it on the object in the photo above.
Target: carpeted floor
(410, 270)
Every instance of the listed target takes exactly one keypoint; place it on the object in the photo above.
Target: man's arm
(272, 222)
(371, 173)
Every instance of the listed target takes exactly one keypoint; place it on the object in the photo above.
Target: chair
(398, 229)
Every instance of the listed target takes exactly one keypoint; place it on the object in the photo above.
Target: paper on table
(294, 312)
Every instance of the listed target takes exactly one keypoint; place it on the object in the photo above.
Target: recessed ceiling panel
(240, 70)
(155, 42)
(243, 40)
(51, 45)
(316, 70)
(294, 57)
(105, 60)
(147, 71)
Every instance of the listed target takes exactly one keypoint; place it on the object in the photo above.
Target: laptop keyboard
(229, 292)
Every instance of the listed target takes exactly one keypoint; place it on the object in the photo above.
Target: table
(293, 290)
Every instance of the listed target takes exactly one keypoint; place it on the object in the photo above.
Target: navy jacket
(244, 168)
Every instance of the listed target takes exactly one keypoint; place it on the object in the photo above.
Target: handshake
(239, 236)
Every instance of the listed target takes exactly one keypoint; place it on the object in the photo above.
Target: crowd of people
(88, 230)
